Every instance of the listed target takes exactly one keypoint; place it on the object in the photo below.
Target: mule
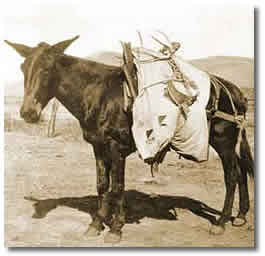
(93, 93)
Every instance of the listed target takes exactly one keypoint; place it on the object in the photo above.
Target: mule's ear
(61, 47)
(22, 49)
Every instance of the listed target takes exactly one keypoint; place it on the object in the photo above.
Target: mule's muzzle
(30, 116)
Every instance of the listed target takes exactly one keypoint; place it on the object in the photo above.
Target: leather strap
(214, 112)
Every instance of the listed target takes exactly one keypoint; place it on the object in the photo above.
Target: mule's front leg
(98, 218)
(117, 197)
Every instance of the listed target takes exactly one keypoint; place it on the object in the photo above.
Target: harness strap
(128, 68)
(217, 90)
(239, 120)
(130, 82)
(215, 112)
(128, 99)
(217, 82)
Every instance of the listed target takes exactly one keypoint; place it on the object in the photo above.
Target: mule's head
(39, 76)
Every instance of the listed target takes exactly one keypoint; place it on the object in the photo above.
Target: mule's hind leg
(243, 195)
(224, 140)
(102, 166)
(246, 164)
(230, 176)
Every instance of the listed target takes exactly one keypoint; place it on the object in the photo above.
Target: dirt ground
(61, 175)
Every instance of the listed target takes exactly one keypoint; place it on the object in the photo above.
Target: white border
(156, 7)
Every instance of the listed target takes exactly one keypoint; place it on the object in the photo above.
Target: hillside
(239, 70)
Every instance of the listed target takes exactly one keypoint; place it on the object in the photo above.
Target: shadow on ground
(137, 206)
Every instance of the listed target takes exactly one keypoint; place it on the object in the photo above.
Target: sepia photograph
(129, 128)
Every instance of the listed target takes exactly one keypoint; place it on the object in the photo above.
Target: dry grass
(69, 130)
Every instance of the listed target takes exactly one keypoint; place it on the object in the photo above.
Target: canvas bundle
(157, 120)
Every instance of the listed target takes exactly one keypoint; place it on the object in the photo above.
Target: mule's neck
(70, 100)
(69, 89)
(76, 78)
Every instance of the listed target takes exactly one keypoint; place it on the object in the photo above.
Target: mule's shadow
(137, 206)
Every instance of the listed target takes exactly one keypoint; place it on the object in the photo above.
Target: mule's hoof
(217, 230)
(238, 222)
(92, 232)
(112, 238)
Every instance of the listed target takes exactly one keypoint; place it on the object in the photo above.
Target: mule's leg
(117, 195)
(231, 176)
(246, 164)
(243, 196)
(223, 139)
(102, 166)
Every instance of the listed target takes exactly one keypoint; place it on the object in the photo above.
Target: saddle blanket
(158, 121)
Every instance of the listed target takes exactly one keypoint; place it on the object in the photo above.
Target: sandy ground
(61, 175)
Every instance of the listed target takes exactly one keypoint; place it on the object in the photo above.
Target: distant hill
(239, 70)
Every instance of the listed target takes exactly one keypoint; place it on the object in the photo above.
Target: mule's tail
(245, 159)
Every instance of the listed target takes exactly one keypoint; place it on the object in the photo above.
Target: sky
(203, 30)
